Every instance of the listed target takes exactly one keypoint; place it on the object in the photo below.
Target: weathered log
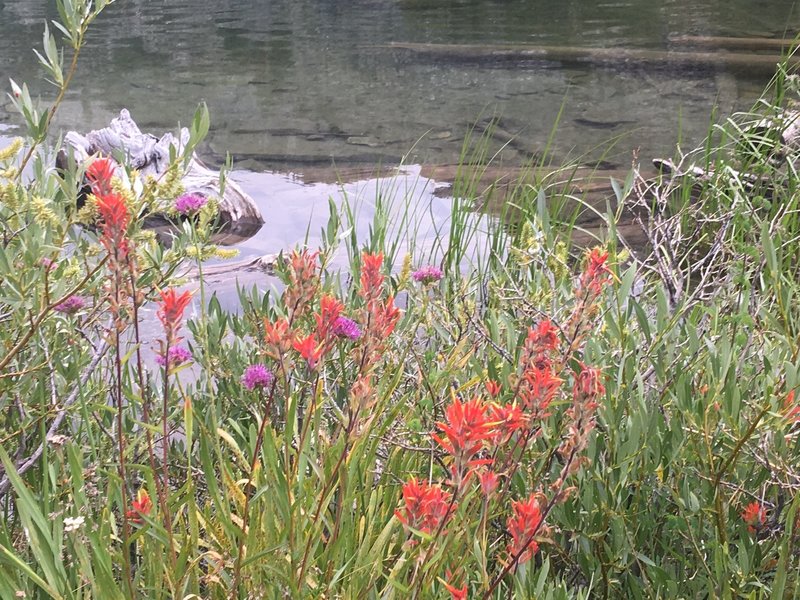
(229, 271)
(150, 155)
(755, 44)
(616, 57)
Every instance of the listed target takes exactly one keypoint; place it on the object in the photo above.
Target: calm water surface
(294, 84)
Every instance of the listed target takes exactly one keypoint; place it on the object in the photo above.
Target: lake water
(300, 88)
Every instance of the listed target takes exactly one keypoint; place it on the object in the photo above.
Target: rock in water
(150, 155)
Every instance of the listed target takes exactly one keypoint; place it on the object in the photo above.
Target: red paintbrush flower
(755, 515)
(385, 318)
(506, 419)
(425, 506)
(170, 311)
(371, 277)
(588, 383)
(457, 593)
(278, 336)
(596, 274)
(791, 408)
(465, 431)
(523, 526)
(310, 349)
(99, 174)
(489, 482)
(115, 217)
(492, 388)
(303, 281)
(330, 309)
(537, 390)
(140, 507)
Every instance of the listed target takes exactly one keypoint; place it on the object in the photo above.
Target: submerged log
(151, 157)
(616, 57)
(734, 43)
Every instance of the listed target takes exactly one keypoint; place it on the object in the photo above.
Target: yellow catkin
(72, 270)
(9, 196)
(43, 214)
(226, 253)
(201, 252)
(405, 272)
(120, 188)
(88, 212)
(11, 150)
(209, 212)
(145, 237)
(9, 173)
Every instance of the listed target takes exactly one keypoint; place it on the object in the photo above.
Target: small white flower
(73, 524)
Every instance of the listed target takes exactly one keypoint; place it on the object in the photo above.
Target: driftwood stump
(239, 215)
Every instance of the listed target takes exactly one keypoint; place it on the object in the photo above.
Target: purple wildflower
(71, 305)
(429, 274)
(344, 327)
(48, 263)
(190, 203)
(257, 376)
(177, 356)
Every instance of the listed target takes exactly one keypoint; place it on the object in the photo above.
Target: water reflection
(292, 83)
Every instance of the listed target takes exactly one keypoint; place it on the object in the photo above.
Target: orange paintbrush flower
(99, 174)
(140, 507)
(310, 349)
(170, 310)
(523, 526)
(425, 506)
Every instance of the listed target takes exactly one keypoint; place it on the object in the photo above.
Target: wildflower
(361, 393)
(425, 507)
(190, 203)
(522, 526)
(176, 355)
(492, 388)
(257, 376)
(588, 383)
(73, 523)
(540, 344)
(457, 593)
(346, 328)
(329, 311)
(755, 515)
(489, 481)
(595, 275)
(170, 310)
(303, 281)
(71, 305)
(427, 275)
(466, 429)
(371, 277)
(309, 349)
(791, 408)
(48, 263)
(506, 419)
(537, 390)
(385, 318)
(115, 219)
(379, 316)
(585, 393)
(141, 507)
(278, 336)
(99, 174)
